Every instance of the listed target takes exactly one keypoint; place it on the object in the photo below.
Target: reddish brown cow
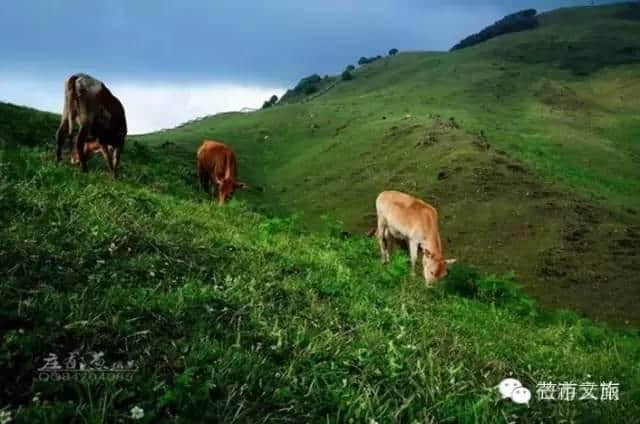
(217, 165)
(89, 104)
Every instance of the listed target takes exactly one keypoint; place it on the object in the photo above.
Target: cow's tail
(227, 167)
(69, 99)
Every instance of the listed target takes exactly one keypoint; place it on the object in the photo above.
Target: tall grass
(233, 317)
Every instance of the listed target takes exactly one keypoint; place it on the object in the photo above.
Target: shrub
(272, 101)
(364, 60)
(519, 21)
(631, 12)
(499, 291)
(393, 52)
(307, 82)
(346, 76)
(305, 86)
(350, 68)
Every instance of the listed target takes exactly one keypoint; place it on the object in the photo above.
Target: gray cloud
(274, 42)
(170, 61)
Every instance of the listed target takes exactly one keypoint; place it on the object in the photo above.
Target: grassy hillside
(232, 317)
(527, 144)
(265, 310)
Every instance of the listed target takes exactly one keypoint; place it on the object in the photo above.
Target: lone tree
(350, 68)
(346, 75)
(393, 52)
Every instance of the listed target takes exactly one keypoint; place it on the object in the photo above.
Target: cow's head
(90, 148)
(226, 187)
(434, 266)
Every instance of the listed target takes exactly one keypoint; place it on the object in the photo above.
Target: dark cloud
(268, 42)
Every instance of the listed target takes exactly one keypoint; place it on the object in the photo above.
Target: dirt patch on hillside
(567, 251)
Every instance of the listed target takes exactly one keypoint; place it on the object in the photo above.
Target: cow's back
(214, 157)
(88, 96)
(406, 214)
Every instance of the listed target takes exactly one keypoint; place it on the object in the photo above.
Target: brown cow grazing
(404, 217)
(217, 165)
(99, 116)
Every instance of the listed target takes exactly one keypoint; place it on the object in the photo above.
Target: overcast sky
(170, 61)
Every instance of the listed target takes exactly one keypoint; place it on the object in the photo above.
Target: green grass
(275, 308)
(234, 317)
(553, 197)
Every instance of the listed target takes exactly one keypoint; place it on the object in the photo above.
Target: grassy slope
(232, 317)
(554, 197)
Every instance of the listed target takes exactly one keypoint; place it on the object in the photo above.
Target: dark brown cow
(99, 116)
(217, 165)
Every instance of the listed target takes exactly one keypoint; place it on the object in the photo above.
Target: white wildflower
(36, 398)
(137, 413)
(5, 416)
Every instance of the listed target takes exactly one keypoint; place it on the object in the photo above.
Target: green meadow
(275, 307)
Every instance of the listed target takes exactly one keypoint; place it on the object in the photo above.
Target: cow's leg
(205, 181)
(391, 242)
(61, 135)
(413, 252)
(104, 150)
(115, 158)
(382, 240)
(107, 154)
(81, 138)
(110, 156)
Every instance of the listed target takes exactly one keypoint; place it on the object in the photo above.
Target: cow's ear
(450, 261)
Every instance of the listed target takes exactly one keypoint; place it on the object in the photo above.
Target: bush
(307, 83)
(364, 60)
(393, 52)
(631, 12)
(346, 76)
(519, 21)
(305, 86)
(498, 291)
(350, 68)
(272, 101)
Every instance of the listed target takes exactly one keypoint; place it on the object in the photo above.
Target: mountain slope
(526, 143)
(228, 316)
